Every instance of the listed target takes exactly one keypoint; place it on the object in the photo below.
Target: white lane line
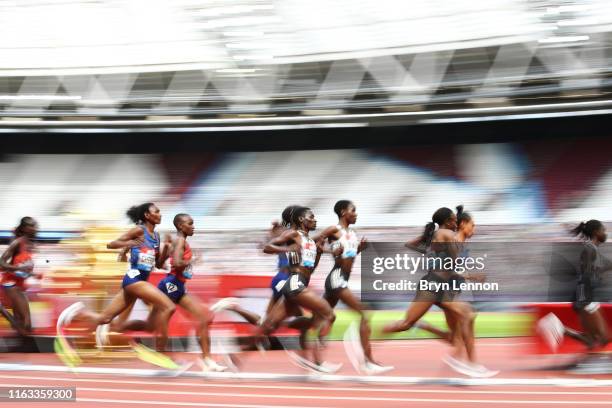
(316, 397)
(189, 404)
(567, 382)
(305, 388)
(448, 401)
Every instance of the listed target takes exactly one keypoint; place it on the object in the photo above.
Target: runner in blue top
(303, 253)
(278, 281)
(145, 254)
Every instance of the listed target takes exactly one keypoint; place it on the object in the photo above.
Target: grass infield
(488, 324)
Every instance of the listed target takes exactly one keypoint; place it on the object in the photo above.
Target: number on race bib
(146, 259)
(350, 244)
(309, 254)
(188, 272)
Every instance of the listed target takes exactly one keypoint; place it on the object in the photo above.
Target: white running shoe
(209, 365)
(469, 369)
(328, 368)
(102, 335)
(65, 318)
(370, 368)
(552, 330)
(458, 366)
(325, 367)
(353, 348)
(232, 362)
(300, 361)
(482, 371)
(223, 304)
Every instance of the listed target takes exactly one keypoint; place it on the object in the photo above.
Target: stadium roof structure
(223, 65)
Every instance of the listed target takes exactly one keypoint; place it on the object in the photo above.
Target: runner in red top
(173, 286)
(16, 265)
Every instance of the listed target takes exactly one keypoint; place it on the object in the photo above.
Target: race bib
(309, 254)
(21, 274)
(24, 274)
(350, 245)
(146, 259)
(132, 273)
(188, 272)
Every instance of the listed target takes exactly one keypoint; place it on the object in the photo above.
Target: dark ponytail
(137, 213)
(428, 232)
(587, 229)
(439, 217)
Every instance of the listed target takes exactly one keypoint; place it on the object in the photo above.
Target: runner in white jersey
(303, 253)
(345, 247)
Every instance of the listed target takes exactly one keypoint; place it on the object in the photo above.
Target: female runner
(345, 247)
(174, 287)
(462, 340)
(304, 254)
(144, 244)
(17, 265)
(443, 245)
(592, 264)
(300, 322)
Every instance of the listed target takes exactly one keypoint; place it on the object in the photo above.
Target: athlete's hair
(24, 222)
(297, 213)
(439, 217)
(587, 229)
(341, 206)
(287, 215)
(178, 218)
(462, 216)
(137, 213)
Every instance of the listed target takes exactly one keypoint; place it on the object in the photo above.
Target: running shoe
(223, 304)
(482, 371)
(65, 352)
(102, 335)
(154, 357)
(209, 365)
(353, 349)
(370, 368)
(552, 330)
(65, 318)
(228, 349)
(328, 368)
(325, 367)
(470, 369)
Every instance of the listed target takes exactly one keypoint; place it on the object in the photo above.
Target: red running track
(420, 359)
